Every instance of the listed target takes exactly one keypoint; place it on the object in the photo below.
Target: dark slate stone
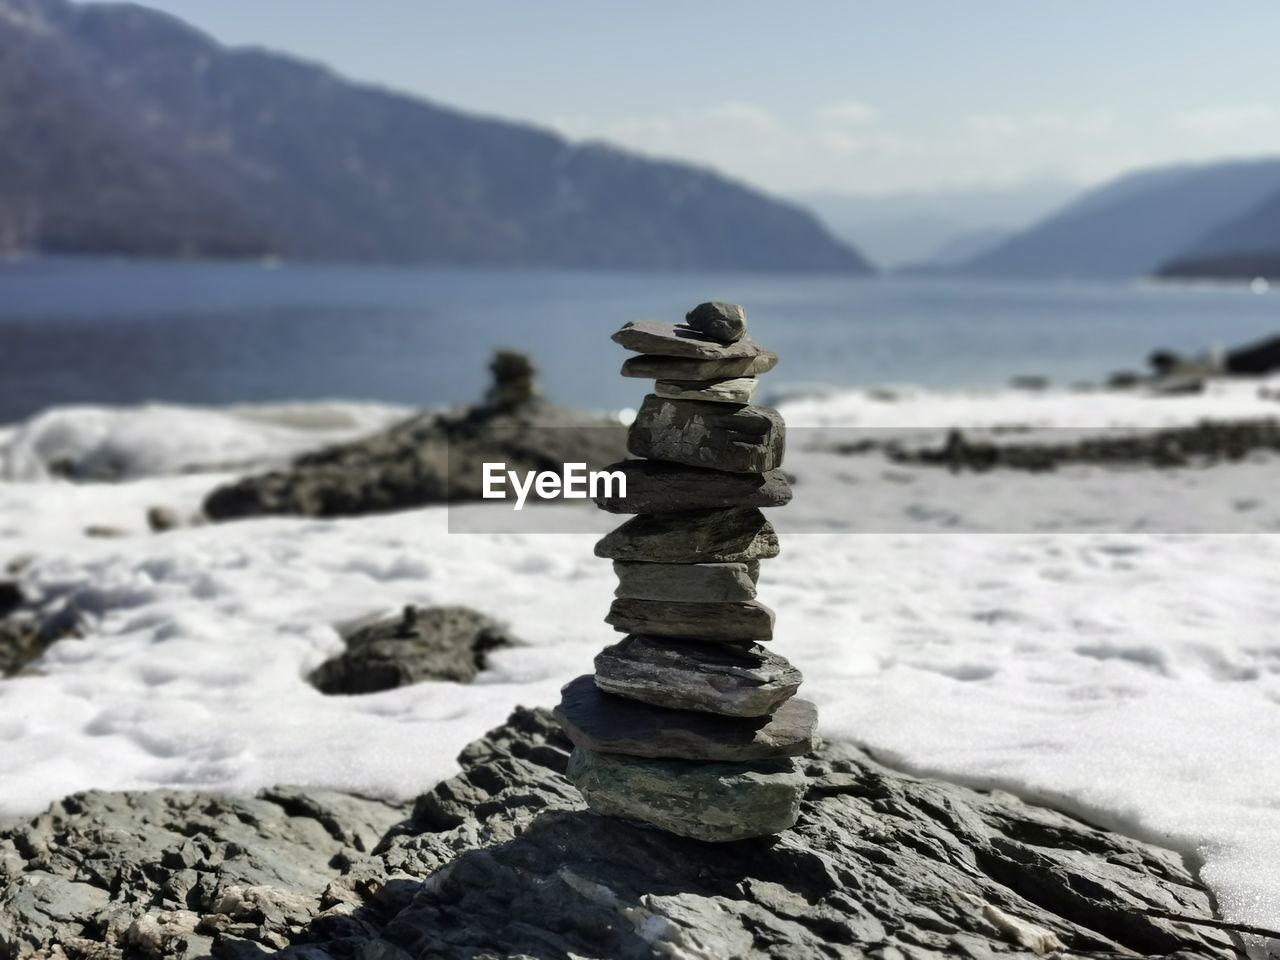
(716, 802)
(428, 643)
(725, 322)
(688, 675)
(686, 581)
(600, 721)
(11, 598)
(654, 486)
(715, 436)
(747, 621)
(688, 368)
(653, 337)
(701, 536)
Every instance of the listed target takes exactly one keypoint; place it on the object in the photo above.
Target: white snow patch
(156, 440)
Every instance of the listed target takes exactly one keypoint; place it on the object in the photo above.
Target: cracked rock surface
(504, 861)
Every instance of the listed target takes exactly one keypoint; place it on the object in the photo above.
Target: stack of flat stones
(690, 723)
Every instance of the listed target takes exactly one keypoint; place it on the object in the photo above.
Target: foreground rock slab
(503, 860)
(169, 874)
(657, 487)
(599, 721)
(683, 675)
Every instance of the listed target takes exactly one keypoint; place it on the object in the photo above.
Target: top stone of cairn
(726, 322)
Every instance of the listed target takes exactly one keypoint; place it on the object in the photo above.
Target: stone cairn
(689, 723)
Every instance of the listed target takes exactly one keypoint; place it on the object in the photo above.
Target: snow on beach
(1131, 675)
(157, 440)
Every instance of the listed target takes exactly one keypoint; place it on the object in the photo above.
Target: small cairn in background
(515, 380)
(690, 723)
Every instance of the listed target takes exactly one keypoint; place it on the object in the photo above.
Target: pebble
(725, 322)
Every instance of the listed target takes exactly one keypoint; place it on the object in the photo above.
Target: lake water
(127, 332)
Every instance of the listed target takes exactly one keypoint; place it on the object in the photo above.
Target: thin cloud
(852, 146)
(846, 113)
(1228, 118)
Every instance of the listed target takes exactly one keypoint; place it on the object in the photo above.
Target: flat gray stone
(599, 721)
(714, 436)
(737, 390)
(726, 322)
(731, 535)
(686, 675)
(705, 801)
(654, 337)
(654, 486)
(688, 368)
(686, 581)
(748, 621)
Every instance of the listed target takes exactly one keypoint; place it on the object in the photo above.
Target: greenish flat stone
(706, 801)
(732, 535)
(687, 581)
(738, 621)
(736, 390)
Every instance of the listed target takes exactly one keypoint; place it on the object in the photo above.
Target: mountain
(1129, 227)
(1241, 249)
(966, 246)
(910, 228)
(124, 131)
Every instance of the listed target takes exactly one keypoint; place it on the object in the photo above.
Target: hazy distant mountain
(1133, 225)
(912, 228)
(122, 130)
(966, 246)
(1243, 248)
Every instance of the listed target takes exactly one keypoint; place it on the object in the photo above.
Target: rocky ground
(432, 457)
(503, 861)
(1202, 444)
(24, 634)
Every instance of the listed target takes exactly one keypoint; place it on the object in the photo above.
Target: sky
(827, 95)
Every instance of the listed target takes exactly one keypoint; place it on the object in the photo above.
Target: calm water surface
(120, 332)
